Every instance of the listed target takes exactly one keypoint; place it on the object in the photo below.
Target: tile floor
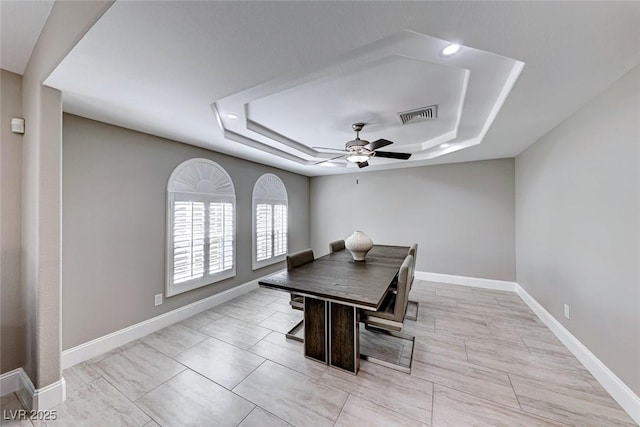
(481, 358)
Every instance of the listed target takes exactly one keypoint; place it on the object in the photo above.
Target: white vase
(358, 244)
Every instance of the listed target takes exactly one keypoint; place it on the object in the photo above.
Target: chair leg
(297, 302)
(410, 315)
(411, 341)
(297, 332)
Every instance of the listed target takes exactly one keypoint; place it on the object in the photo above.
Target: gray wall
(12, 318)
(461, 215)
(578, 225)
(114, 213)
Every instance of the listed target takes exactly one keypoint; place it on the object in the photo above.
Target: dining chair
(336, 246)
(299, 258)
(413, 306)
(295, 260)
(392, 311)
(413, 250)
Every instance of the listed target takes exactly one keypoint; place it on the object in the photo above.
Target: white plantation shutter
(220, 237)
(263, 231)
(270, 226)
(229, 236)
(201, 226)
(188, 241)
(279, 230)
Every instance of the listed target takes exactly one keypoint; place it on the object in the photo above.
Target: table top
(337, 277)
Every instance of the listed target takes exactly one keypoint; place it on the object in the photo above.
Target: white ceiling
(299, 73)
(20, 26)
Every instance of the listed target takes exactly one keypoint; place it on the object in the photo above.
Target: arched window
(270, 225)
(201, 203)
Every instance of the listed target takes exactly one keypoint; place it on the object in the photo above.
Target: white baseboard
(45, 398)
(10, 382)
(498, 285)
(622, 394)
(41, 399)
(115, 339)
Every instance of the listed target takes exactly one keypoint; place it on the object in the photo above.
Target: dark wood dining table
(335, 287)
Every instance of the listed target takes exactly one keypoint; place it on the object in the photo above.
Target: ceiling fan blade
(378, 144)
(327, 160)
(327, 148)
(363, 164)
(391, 155)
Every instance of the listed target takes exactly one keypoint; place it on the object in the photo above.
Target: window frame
(274, 194)
(204, 181)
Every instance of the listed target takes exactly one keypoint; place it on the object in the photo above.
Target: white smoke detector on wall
(17, 125)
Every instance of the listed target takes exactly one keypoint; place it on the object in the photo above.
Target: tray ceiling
(297, 75)
(372, 84)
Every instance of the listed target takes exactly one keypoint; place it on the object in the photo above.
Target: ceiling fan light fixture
(451, 49)
(358, 157)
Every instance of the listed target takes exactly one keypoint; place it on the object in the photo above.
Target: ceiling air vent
(420, 115)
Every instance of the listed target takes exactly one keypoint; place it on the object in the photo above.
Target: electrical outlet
(566, 311)
(157, 300)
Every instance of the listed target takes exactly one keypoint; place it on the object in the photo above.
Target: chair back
(402, 296)
(413, 250)
(336, 246)
(299, 258)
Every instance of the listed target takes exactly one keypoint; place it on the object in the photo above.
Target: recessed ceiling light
(451, 49)
(445, 145)
(232, 116)
(328, 165)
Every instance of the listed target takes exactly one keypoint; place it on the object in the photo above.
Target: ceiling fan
(359, 151)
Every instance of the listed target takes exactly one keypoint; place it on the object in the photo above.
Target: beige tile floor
(481, 358)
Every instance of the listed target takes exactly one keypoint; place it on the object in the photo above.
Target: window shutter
(188, 241)
(279, 230)
(200, 226)
(228, 236)
(263, 231)
(270, 206)
(220, 237)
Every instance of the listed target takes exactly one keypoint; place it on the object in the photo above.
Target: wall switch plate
(566, 311)
(157, 300)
